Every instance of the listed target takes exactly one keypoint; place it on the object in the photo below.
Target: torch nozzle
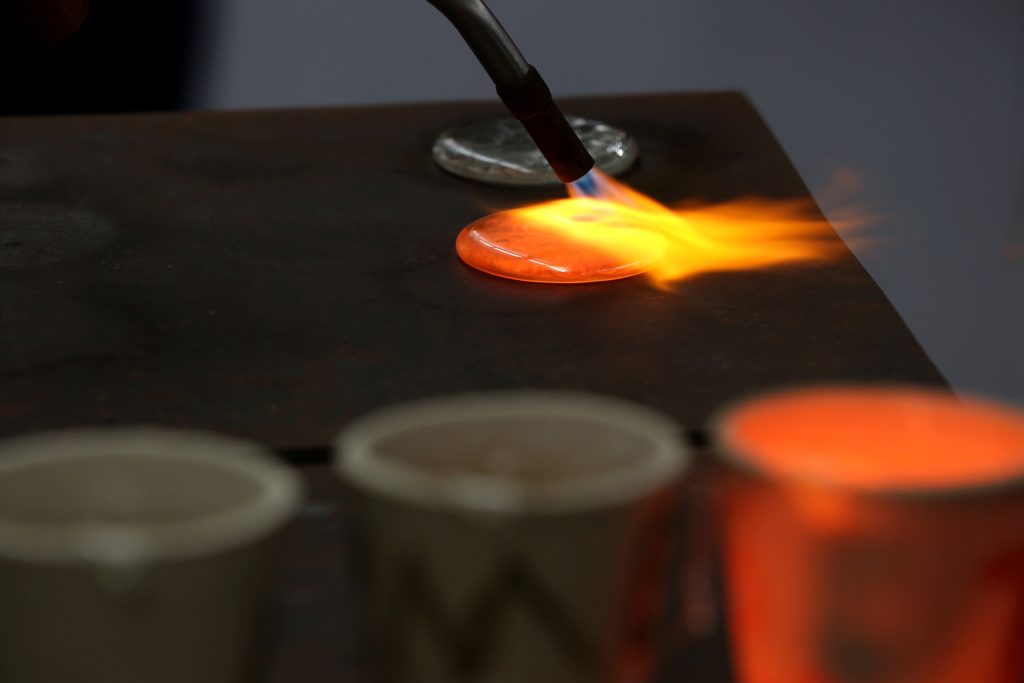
(586, 186)
(520, 87)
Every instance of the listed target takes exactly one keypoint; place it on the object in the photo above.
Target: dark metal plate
(274, 274)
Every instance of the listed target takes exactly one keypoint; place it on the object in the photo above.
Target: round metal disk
(500, 152)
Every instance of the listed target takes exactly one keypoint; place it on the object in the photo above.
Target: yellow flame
(622, 232)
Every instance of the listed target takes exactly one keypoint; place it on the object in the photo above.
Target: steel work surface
(273, 274)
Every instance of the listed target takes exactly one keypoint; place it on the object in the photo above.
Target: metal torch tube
(520, 87)
(487, 39)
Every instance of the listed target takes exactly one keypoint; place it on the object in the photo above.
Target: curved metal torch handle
(520, 86)
(487, 38)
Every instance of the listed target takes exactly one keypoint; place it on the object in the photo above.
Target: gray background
(922, 100)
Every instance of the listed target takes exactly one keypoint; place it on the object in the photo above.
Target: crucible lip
(728, 453)
(272, 495)
(665, 460)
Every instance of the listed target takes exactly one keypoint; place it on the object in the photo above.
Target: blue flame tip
(587, 185)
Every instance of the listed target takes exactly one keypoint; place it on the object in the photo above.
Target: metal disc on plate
(500, 152)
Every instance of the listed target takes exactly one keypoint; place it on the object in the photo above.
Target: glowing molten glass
(568, 241)
(616, 232)
(880, 438)
(879, 538)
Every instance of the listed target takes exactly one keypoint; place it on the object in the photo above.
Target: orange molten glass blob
(567, 241)
(619, 232)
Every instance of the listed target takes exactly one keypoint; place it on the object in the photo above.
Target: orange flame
(621, 232)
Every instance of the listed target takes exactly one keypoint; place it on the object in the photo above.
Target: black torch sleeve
(530, 101)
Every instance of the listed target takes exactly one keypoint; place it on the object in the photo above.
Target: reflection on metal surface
(500, 152)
